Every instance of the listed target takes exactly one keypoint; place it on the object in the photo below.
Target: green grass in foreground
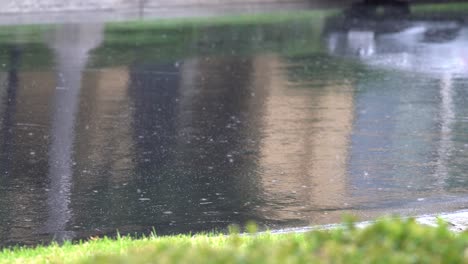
(387, 241)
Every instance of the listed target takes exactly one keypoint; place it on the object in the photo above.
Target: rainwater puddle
(191, 127)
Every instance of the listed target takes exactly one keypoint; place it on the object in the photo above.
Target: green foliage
(248, 19)
(440, 8)
(23, 34)
(319, 70)
(386, 241)
(169, 40)
(29, 43)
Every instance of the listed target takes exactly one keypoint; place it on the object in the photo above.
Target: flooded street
(185, 127)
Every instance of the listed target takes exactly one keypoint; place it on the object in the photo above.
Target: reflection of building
(304, 151)
(103, 128)
(404, 128)
(103, 149)
(189, 127)
(38, 109)
(23, 146)
(415, 49)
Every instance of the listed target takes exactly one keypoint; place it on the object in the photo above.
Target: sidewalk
(85, 11)
(457, 222)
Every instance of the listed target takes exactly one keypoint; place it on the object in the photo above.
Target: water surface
(193, 127)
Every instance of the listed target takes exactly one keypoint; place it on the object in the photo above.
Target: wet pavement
(187, 127)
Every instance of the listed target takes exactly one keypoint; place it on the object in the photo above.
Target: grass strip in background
(386, 241)
(220, 20)
(442, 8)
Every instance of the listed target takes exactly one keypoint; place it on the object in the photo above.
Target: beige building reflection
(48, 112)
(28, 134)
(105, 127)
(305, 146)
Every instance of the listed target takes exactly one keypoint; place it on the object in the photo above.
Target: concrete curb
(457, 222)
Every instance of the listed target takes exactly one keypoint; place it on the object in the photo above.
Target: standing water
(182, 127)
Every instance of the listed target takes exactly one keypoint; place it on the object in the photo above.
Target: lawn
(386, 241)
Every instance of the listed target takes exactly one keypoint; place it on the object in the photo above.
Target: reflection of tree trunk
(71, 44)
(447, 115)
(3, 105)
(9, 108)
(4, 80)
